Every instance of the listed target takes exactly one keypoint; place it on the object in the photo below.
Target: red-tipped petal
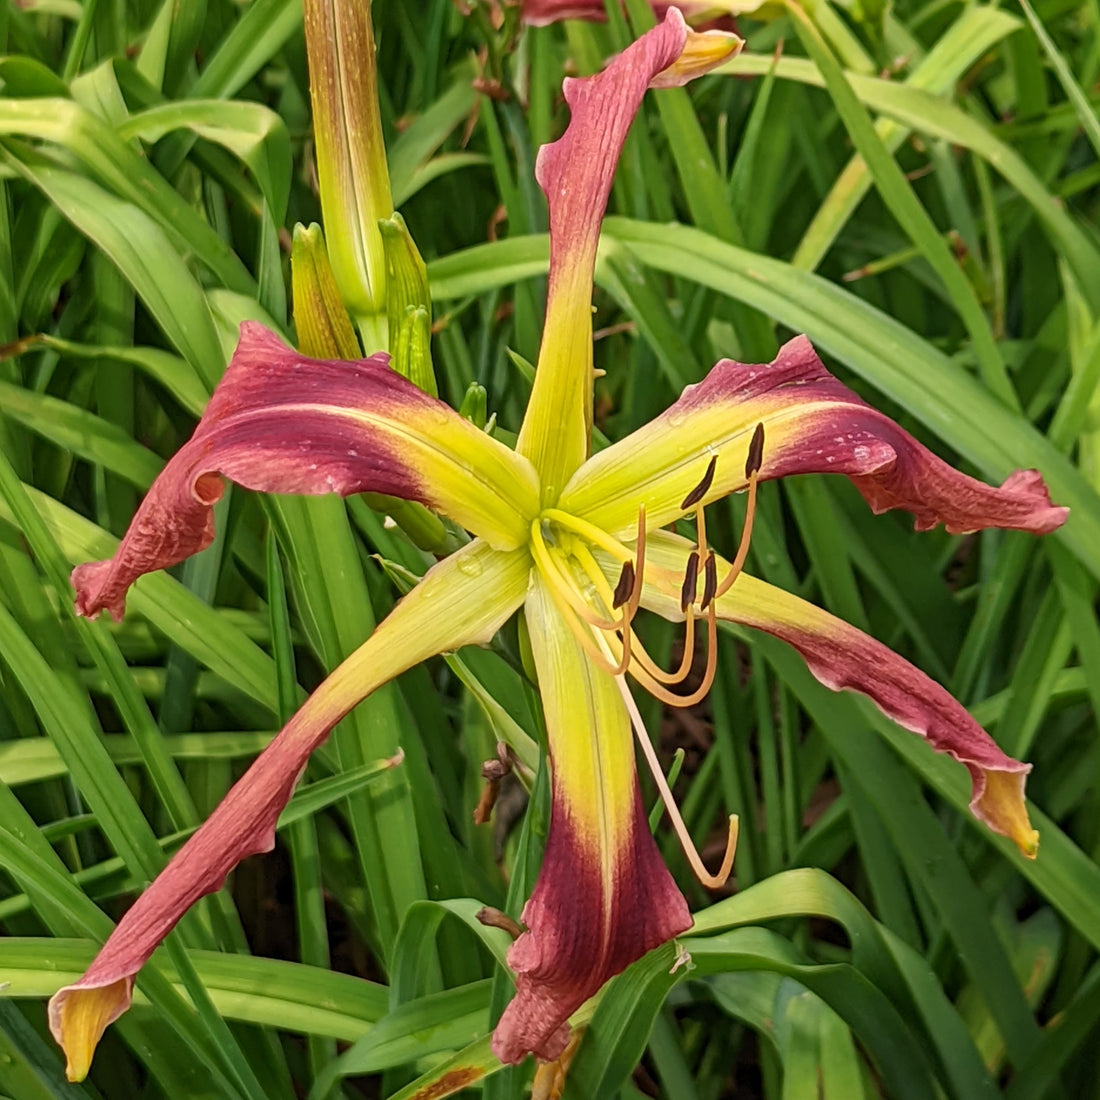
(841, 657)
(603, 897)
(280, 422)
(812, 424)
(463, 600)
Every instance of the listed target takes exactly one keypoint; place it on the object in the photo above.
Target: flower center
(601, 617)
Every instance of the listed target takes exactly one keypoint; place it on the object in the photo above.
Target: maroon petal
(812, 424)
(541, 13)
(576, 172)
(280, 422)
(842, 657)
(604, 896)
(463, 600)
(582, 933)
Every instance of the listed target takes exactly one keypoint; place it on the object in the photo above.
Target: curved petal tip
(999, 802)
(583, 931)
(79, 1014)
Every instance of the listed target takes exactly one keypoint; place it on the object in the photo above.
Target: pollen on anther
(702, 488)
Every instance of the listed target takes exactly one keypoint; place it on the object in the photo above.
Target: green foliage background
(915, 187)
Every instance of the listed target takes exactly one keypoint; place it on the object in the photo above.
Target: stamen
(551, 569)
(691, 577)
(672, 679)
(586, 637)
(752, 472)
(743, 548)
(594, 573)
(700, 693)
(702, 488)
(701, 530)
(632, 645)
(566, 599)
(589, 531)
(626, 598)
(632, 648)
(714, 881)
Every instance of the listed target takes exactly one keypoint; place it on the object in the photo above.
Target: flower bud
(324, 328)
(351, 157)
(408, 305)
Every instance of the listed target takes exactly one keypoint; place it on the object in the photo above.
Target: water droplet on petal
(471, 567)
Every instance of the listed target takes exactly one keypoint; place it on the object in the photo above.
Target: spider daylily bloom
(575, 542)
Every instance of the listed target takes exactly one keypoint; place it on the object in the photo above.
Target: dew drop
(471, 567)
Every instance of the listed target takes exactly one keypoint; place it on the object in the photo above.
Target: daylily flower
(576, 542)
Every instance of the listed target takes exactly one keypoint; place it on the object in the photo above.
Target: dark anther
(691, 576)
(756, 452)
(710, 580)
(702, 488)
(625, 586)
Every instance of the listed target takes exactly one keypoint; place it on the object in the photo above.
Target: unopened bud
(408, 305)
(324, 328)
(351, 156)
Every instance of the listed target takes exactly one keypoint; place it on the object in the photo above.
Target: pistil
(711, 881)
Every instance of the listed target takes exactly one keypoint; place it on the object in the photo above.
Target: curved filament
(595, 535)
(656, 689)
(632, 647)
(681, 674)
(551, 569)
(743, 546)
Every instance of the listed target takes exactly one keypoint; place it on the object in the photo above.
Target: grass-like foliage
(914, 187)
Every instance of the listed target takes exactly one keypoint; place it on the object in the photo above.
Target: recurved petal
(603, 897)
(461, 601)
(840, 656)
(576, 173)
(280, 422)
(812, 424)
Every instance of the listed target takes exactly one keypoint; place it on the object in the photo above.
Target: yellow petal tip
(78, 1018)
(1027, 840)
(703, 51)
(1002, 807)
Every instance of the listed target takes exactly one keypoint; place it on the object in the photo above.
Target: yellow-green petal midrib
(505, 481)
(660, 463)
(590, 737)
